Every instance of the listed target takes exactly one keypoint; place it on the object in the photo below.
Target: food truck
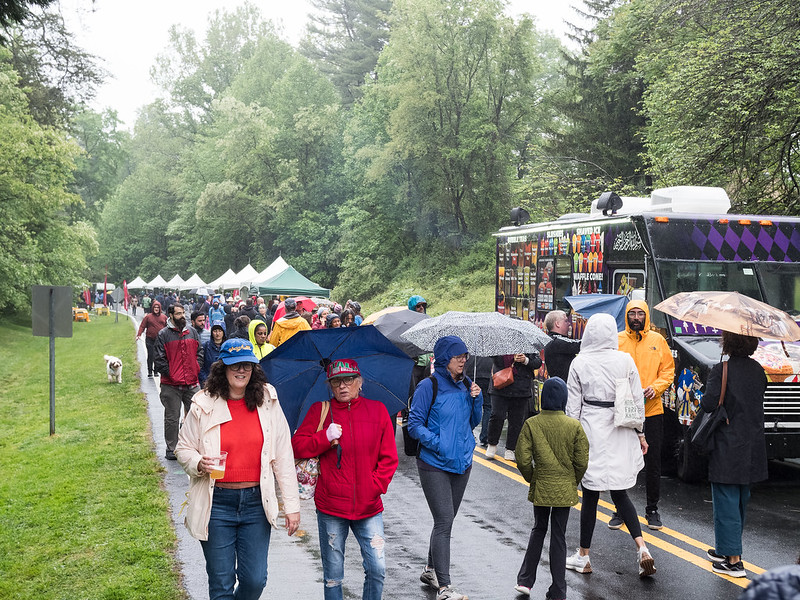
(679, 239)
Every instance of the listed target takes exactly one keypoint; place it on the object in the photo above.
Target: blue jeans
(332, 538)
(730, 506)
(237, 545)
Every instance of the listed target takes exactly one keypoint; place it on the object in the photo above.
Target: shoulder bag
(503, 378)
(308, 468)
(702, 429)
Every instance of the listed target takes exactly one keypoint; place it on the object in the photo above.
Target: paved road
(492, 528)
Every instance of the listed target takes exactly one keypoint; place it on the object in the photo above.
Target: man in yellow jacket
(656, 366)
(288, 324)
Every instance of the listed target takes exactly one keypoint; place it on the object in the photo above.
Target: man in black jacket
(558, 354)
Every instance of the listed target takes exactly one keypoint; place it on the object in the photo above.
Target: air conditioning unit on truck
(679, 239)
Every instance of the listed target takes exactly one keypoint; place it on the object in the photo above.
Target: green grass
(83, 514)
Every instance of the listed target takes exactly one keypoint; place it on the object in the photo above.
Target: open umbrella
(307, 303)
(385, 311)
(587, 305)
(485, 333)
(297, 368)
(394, 324)
(730, 311)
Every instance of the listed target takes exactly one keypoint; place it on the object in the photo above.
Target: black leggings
(625, 510)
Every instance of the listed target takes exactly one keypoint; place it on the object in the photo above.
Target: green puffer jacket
(552, 454)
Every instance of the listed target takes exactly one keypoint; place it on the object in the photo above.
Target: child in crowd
(552, 454)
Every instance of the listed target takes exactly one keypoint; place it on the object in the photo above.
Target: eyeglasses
(464, 357)
(242, 366)
(343, 380)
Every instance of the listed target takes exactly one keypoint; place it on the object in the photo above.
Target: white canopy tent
(278, 266)
(247, 276)
(158, 282)
(193, 282)
(175, 283)
(226, 281)
(137, 284)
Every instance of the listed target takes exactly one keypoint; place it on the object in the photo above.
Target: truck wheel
(692, 466)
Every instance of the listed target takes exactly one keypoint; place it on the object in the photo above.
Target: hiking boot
(714, 557)
(653, 520)
(510, 455)
(429, 577)
(579, 563)
(616, 521)
(647, 565)
(732, 570)
(491, 451)
(523, 590)
(449, 593)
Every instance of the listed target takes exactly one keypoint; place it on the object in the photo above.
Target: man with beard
(151, 324)
(656, 367)
(179, 358)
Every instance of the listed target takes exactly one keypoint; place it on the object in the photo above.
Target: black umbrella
(393, 324)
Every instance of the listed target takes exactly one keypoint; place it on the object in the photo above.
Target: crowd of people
(210, 367)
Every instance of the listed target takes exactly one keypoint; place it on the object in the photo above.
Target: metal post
(52, 364)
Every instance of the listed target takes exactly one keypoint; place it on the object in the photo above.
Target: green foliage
(83, 515)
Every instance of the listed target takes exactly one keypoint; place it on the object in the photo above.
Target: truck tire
(692, 466)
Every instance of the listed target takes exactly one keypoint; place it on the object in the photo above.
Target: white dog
(113, 368)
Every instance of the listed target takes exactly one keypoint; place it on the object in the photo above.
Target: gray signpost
(52, 317)
(117, 296)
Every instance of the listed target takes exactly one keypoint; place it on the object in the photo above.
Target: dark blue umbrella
(297, 368)
(589, 304)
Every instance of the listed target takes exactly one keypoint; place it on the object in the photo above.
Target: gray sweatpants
(172, 396)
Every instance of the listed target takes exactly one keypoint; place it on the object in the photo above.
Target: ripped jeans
(332, 538)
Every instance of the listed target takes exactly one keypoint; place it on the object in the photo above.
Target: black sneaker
(616, 521)
(654, 520)
(713, 556)
(170, 455)
(732, 570)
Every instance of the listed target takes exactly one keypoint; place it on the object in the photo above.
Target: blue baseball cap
(237, 350)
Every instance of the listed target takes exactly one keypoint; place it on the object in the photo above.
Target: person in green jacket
(552, 454)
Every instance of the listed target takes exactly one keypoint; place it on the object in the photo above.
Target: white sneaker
(429, 577)
(647, 565)
(579, 563)
(523, 590)
(449, 593)
(491, 451)
(510, 455)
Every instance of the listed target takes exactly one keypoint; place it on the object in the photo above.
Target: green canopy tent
(291, 283)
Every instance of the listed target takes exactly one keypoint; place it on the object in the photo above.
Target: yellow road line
(648, 537)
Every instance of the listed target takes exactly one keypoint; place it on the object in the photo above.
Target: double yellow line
(652, 540)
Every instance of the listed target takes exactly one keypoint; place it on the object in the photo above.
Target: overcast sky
(128, 35)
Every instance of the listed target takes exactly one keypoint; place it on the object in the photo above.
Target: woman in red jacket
(352, 477)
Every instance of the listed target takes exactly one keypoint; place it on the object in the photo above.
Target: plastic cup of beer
(218, 465)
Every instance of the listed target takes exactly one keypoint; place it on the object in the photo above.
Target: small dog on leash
(113, 368)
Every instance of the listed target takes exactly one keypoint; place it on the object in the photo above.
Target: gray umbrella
(394, 324)
(485, 334)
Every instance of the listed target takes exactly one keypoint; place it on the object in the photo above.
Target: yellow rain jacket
(652, 356)
(264, 349)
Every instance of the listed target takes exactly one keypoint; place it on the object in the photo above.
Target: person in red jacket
(358, 458)
(151, 324)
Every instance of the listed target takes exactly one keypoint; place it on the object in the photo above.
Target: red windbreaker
(369, 457)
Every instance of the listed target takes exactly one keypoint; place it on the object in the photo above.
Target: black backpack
(411, 445)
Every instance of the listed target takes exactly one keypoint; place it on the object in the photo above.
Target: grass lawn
(82, 513)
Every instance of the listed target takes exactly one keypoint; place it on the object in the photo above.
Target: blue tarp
(611, 304)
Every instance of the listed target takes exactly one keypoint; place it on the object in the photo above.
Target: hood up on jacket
(642, 305)
(265, 348)
(446, 348)
(155, 304)
(600, 334)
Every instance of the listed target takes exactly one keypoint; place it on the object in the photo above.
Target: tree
(345, 38)
(14, 12)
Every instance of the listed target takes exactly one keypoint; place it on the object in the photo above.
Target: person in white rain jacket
(616, 454)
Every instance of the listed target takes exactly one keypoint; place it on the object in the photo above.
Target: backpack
(411, 445)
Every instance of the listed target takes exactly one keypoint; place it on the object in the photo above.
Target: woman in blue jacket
(211, 349)
(442, 421)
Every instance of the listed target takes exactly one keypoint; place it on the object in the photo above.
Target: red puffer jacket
(369, 457)
(178, 356)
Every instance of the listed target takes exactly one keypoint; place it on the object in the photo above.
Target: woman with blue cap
(237, 413)
(445, 409)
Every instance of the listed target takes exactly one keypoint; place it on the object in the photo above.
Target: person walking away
(442, 419)
(511, 402)
(552, 455)
(289, 324)
(561, 350)
(739, 457)
(656, 367)
(233, 516)
(358, 455)
(211, 350)
(257, 333)
(241, 326)
(147, 303)
(151, 324)
(179, 358)
(615, 453)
